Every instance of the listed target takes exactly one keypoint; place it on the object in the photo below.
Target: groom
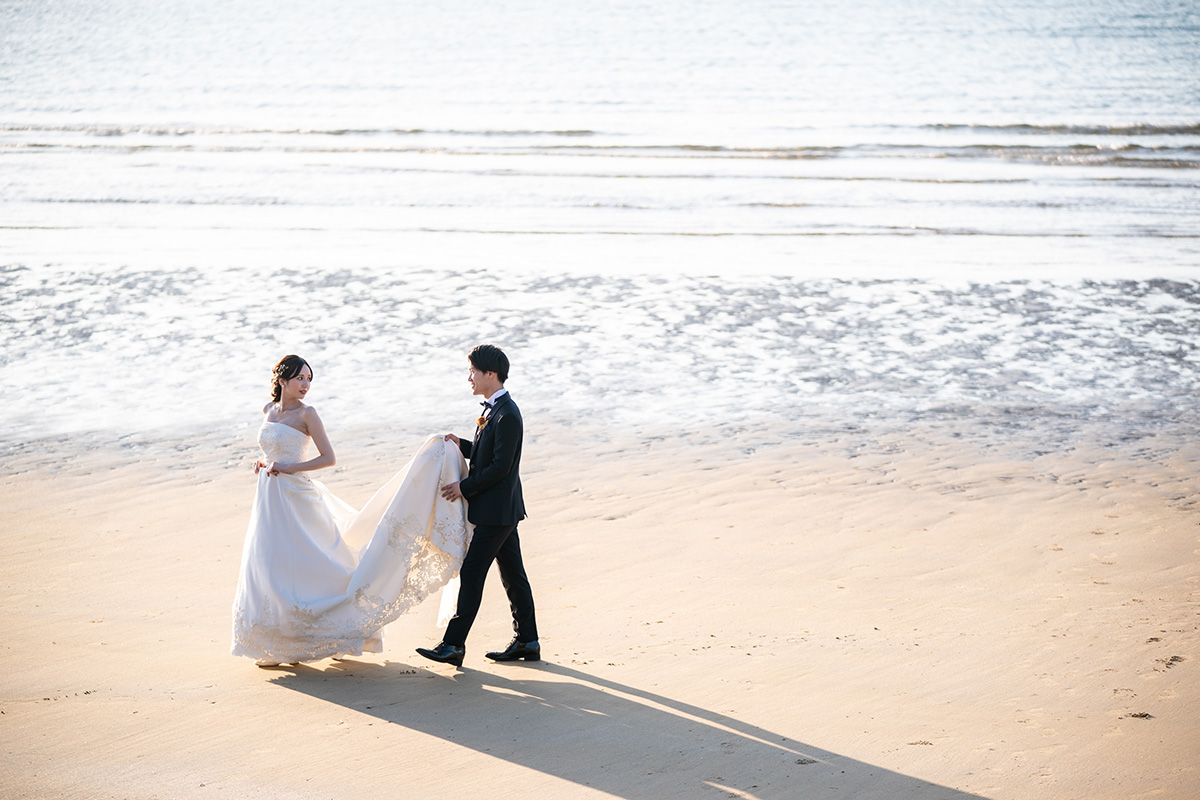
(492, 490)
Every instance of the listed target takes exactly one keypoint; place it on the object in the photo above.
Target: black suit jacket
(493, 485)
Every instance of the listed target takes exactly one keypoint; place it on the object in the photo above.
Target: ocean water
(689, 218)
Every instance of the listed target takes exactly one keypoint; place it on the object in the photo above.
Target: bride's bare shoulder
(309, 416)
(267, 407)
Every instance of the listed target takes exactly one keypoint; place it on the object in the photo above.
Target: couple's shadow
(594, 732)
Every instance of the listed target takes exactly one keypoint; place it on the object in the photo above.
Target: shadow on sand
(594, 732)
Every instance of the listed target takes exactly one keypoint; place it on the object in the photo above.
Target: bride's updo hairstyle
(287, 368)
(489, 358)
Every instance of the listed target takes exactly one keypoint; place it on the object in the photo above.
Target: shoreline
(925, 620)
(1041, 362)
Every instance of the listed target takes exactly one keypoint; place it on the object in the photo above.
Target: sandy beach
(921, 620)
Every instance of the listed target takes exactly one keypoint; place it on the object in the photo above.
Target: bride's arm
(316, 429)
(259, 464)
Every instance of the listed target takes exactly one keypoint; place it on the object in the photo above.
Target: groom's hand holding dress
(452, 491)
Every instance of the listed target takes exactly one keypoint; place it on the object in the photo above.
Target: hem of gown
(310, 651)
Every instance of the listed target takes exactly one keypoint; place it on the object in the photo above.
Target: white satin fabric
(318, 578)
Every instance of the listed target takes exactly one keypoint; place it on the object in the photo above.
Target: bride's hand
(258, 464)
(274, 468)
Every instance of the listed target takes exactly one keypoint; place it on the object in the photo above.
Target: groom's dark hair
(489, 358)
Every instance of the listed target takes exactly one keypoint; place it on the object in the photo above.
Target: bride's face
(297, 387)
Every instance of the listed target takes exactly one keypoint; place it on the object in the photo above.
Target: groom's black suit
(495, 506)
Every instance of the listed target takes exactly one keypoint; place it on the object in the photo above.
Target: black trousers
(501, 544)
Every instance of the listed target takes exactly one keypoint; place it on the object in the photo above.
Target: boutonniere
(482, 422)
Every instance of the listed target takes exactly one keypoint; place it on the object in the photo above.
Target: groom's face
(482, 383)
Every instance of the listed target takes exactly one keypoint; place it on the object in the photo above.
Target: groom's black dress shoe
(530, 651)
(445, 653)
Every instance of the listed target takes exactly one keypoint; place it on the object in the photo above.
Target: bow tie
(486, 405)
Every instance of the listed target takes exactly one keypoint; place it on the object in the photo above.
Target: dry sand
(919, 621)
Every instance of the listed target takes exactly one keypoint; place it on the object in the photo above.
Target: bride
(317, 577)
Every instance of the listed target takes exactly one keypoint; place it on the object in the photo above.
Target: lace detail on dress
(280, 442)
(416, 547)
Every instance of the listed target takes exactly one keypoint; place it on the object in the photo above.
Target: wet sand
(921, 620)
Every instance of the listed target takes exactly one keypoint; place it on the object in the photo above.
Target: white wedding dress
(318, 578)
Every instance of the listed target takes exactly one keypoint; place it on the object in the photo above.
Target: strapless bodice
(280, 442)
